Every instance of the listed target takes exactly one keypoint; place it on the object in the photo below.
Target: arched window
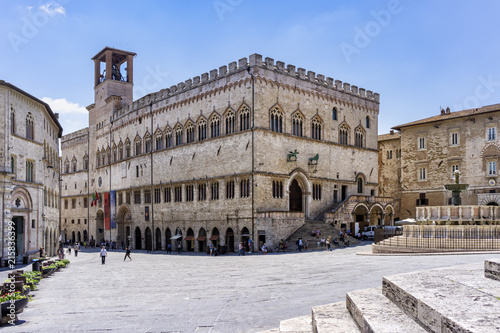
(85, 162)
(30, 127)
(316, 128)
(115, 153)
(66, 164)
(168, 138)
(202, 131)
(30, 171)
(107, 159)
(73, 164)
(138, 145)
(178, 135)
(334, 114)
(297, 122)
(159, 140)
(359, 137)
(367, 122)
(120, 151)
(147, 143)
(344, 134)
(244, 118)
(276, 117)
(127, 148)
(214, 126)
(230, 121)
(360, 185)
(12, 120)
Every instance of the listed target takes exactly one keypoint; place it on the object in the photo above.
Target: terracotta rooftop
(389, 136)
(451, 115)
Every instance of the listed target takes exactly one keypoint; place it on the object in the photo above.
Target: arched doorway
(158, 239)
(168, 235)
(123, 227)
(149, 240)
(99, 227)
(85, 236)
(215, 237)
(202, 240)
(295, 196)
(230, 239)
(245, 236)
(73, 237)
(79, 236)
(138, 239)
(46, 245)
(178, 239)
(190, 240)
(19, 237)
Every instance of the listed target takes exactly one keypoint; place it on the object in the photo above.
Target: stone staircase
(456, 299)
(304, 232)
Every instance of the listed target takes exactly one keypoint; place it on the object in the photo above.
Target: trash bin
(36, 266)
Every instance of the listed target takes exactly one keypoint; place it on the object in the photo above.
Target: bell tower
(111, 79)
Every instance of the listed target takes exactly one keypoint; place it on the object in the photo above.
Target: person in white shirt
(104, 254)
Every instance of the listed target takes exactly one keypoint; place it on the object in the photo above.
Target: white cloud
(53, 8)
(62, 106)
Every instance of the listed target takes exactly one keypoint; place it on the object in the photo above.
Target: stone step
(333, 318)
(456, 299)
(297, 325)
(492, 269)
(373, 312)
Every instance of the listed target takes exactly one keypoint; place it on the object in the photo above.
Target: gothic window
(30, 127)
(167, 194)
(230, 121)
(230, 189)
(157, 195)
(178, 135)
(316, 192)
(66, 164)
(106, 159)
(12, 120)
(360, 185)
(344, 134)
(359, 137)
(277, 189)
(334, 114)
(120, 151)
(245, 188)
(189, 192)
(97, 160)
(316, 128)
(178, 194)
(147, 143)
(128, 152)
(202, 130)
(276, 116)
(168, 138)
(202, 192)
(159, 141)
(244, 118)
(297, 123)
(13, 164)
(147, 196)
(30, 171)
(73, 165)
(214, 126)
(214, 187)
(138, 146)
(115, 153)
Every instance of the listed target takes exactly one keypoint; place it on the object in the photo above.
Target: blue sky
(419, 55)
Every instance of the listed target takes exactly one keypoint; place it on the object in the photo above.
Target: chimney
(392, 132)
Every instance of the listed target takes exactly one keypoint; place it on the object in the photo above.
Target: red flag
(96, 196)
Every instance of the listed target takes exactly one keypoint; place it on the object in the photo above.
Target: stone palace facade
(251, 150)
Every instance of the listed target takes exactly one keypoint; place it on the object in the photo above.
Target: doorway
(19, 237)
(149, 240)
(295, 197)
(344, 192)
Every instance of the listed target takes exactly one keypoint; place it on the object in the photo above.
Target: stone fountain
(456, 188)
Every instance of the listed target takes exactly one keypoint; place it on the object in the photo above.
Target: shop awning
(189, 238)
(214, 237)
(176, 237)
(201, 238)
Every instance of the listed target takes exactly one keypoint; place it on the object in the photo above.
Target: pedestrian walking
(69, 249)
(250, 245)
(127, 254)
(77, 248)
(300, 244)
(211, 247)
(328, 243)
(104, 254)
(60, 252)
(242, 249)
(281, 246)
(169, 248)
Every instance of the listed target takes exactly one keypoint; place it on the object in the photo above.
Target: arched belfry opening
(295, 196)
(113, 76)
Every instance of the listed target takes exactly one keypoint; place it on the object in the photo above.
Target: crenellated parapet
(75, 134)
(254, 60)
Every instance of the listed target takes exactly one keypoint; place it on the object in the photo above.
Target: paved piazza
(197, 293)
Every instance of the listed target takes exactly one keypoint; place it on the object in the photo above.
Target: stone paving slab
(197, 293)
(333, 318)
